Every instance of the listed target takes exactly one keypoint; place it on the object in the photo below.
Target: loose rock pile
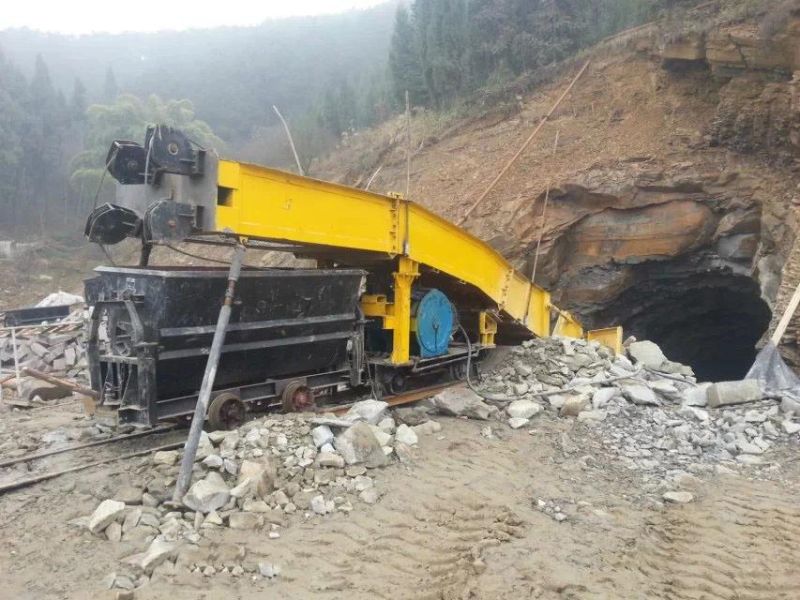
(649, 411)
(257, 478)
(60, 351)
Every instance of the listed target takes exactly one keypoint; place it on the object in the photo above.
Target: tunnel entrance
(711, 322)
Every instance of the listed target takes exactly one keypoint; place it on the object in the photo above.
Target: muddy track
(425, 540)
(740, 542)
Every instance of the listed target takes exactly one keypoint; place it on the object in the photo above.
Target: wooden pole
(63, 383)
(525, 145)
(791, 308)
(291, 141)
(544, 216)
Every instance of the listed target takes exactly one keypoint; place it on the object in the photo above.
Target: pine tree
(78, 102)
(110, 89)
(405, 65)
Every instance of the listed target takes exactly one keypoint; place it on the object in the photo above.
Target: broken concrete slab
(728, 393)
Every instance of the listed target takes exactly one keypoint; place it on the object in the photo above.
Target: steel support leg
(190, 450)
(407, 272)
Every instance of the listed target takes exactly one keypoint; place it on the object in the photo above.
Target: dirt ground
(461, 522)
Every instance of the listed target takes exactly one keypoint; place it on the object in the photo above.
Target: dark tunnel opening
(711, 322)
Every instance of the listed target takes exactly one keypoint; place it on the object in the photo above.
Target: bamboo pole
(527, 143)
(67, 385)
(544, 215)
(791, 308)
(291, 140)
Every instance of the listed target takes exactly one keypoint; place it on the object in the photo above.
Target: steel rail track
(395, 400)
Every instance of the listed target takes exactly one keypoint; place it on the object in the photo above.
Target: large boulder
(463, 402)
(647, 353)
(208, 494)
(358, 445)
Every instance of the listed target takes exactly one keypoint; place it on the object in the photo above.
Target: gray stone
(678, 497)
(158, 552)
(318, 505)
(328, 459)
(370, 411)
(696, 396)
(790, 427)
(790, 406)
(244, 520)
(592, 416)
(640, 394)
(427, 428)
(647, 353)
(516, 422)
(523, 409)
(262, 474)
(268, 570)
(369, 495)
(114, 532)
(322, 435)
(213, 461)
(574, 405)
(166, 457)
(358, 445)
(746, 447)
(129, 494)
(208, 494)
(603, 396)
(463, 402)
(106, 513)
(405, 435)
(387, 425)
(727, 393)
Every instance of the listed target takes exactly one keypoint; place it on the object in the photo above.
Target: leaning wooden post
(190, 449)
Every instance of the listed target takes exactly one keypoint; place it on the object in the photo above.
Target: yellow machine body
(358, 226)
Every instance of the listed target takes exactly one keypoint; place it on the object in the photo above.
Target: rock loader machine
(400, 298)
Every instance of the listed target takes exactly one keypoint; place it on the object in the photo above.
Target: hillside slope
(673, 183)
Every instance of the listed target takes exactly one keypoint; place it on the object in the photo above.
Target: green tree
(127, 118)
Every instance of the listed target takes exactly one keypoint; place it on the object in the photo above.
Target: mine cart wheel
(297, 397)
(397, 383)
(458, 370)
(226, 412)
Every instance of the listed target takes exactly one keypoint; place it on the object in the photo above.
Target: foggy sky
(93, 16)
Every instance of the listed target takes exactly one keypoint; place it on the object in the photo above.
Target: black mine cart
(293, 333)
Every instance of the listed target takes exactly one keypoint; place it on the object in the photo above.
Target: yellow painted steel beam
(273, 205)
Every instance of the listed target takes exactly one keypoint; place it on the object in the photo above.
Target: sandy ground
(461, 522)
